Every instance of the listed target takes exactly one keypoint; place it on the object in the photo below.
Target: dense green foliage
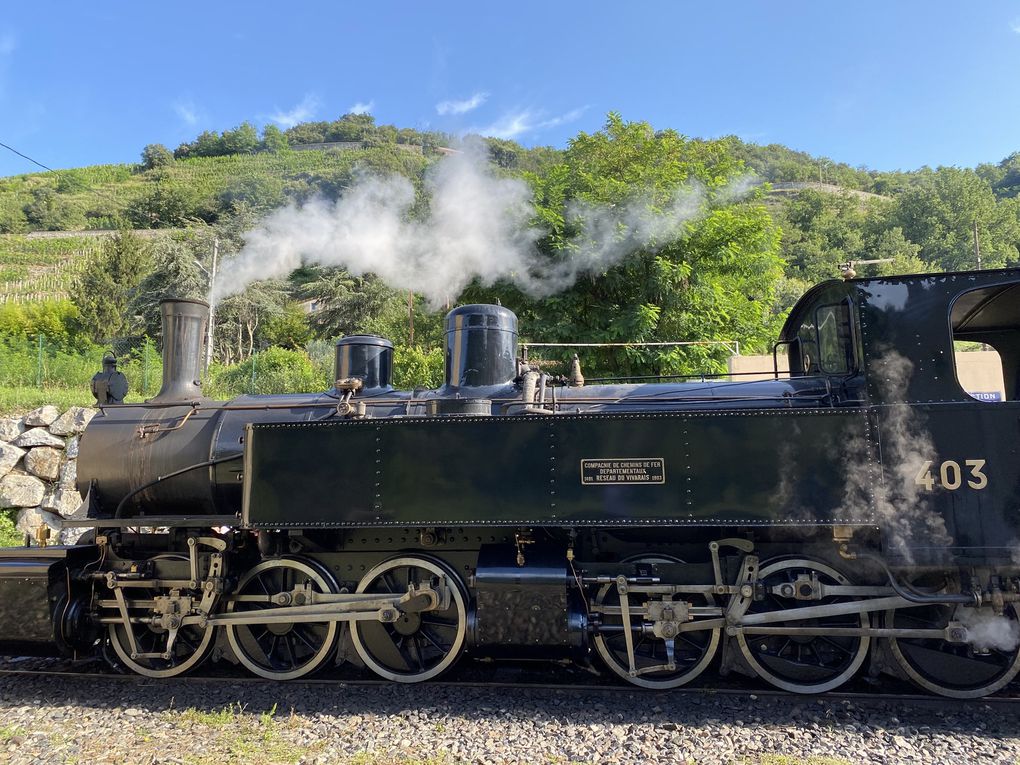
(731, 273)
(714, 282)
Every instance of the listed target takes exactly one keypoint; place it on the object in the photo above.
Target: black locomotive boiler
(857, 515)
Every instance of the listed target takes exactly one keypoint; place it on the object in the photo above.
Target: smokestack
(184, 326)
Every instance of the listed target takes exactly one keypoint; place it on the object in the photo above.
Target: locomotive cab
(822, 339)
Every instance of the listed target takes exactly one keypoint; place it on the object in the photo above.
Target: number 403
(951, 475)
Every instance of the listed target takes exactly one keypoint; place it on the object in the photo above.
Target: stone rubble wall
(39, 467)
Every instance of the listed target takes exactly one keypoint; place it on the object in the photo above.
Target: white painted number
(951, 475)
(979, 479)
(924, 477)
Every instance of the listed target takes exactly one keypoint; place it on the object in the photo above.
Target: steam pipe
(908, 593)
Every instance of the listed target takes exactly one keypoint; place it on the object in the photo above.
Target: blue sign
(985, 395)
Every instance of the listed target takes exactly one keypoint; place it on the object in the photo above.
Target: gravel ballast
(108, 720)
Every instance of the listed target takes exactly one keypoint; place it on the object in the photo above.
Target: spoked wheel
(418, 646)
(692, 651)
(804, 663)
(191, 644)
(281, 650)
(958, 670)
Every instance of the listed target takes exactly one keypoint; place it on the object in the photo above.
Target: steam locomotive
(858, 514)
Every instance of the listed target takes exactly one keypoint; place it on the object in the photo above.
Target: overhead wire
(33, 161)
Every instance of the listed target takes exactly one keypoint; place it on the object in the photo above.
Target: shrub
(416, 367)
(276, 370)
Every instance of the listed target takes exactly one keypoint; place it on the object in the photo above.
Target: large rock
(21, 491)
(62, 501)
(72, 421)
(9, 456)
(42, 417)
(39, 437)
(69, 473)
(11, 428)
(72, 447)
(31, 519)
(44, 461)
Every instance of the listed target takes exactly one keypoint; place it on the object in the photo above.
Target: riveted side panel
(678, 468)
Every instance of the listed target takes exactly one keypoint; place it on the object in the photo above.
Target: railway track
(516, 677)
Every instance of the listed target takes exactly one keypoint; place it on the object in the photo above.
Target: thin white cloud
(1015, 25)
(510, 125)
(461, 107)
(361, 107)
(300, 113)
(186, 110)
(572, 116)
(513, 124)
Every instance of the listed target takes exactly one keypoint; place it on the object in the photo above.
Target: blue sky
(883, 84)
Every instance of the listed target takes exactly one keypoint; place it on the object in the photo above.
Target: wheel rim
(417, 647)
(281, 651)
(956, 670)
(692, 651)
(191, 645)
(806, 664)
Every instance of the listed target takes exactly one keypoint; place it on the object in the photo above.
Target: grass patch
(7, 732)
(216, 718)
(22, 399)
(236, 736)
(9, 537)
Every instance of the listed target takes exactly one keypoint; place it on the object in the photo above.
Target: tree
(208, 144)
(289, 328)
(712, 278)
(241, 319)
(109, 283)
(51, 212)
(156, 155)
(260, 193)
(941, 211)
(347, 304)
(273, 140)
(352, 127)
(307, 132)
(165, 206)
(244, 139)
(12, 216)
(174, 274)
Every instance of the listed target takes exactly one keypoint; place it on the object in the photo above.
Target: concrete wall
(980, 372)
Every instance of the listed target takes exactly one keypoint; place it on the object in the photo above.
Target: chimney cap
(164, 301)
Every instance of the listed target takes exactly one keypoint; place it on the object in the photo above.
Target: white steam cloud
(987, 631)
(907, 520)
(479, 227)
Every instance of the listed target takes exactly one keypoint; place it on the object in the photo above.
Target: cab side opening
(990, 318)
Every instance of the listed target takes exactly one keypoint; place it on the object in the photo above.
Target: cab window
(835, 339)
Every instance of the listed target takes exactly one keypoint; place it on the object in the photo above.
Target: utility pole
(977, 246)
(212, 306)
(410, 317)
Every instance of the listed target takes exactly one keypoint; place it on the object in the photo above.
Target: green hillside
(120, 237)
(208, 180)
